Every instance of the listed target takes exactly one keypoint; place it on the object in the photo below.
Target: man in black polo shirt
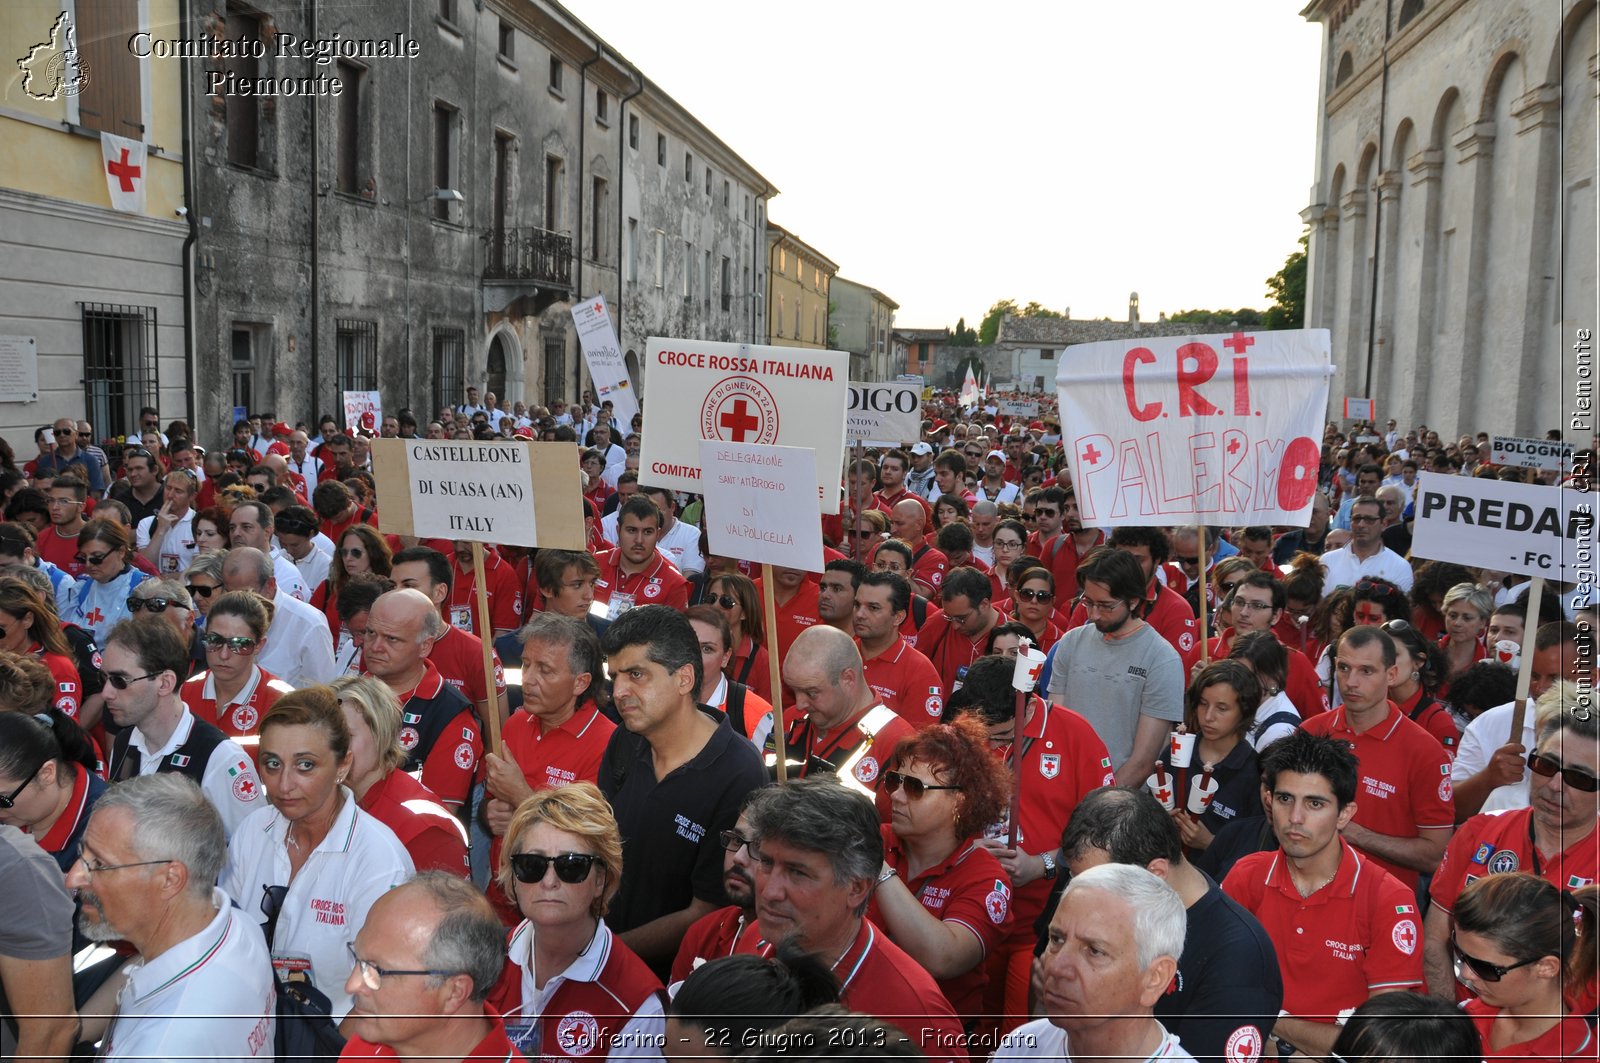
(676, 775)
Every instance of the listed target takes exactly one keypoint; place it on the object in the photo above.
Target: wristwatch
(1049, 865)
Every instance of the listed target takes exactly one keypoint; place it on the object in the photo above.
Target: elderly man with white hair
(299, 646)
(1114, 946)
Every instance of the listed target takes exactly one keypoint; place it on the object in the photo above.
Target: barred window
(356, 349)
(449, 367)
(119, 365)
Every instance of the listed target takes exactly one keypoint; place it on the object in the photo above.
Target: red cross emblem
(1238, 342)
(123, 172)
(244, 788)
(1091, 455)
(94, 616)
(740, 409)
(1163, 795)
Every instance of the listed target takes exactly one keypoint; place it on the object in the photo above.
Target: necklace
(1308, 892)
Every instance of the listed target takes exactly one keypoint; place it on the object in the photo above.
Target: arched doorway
(497, 369)
(631, 362)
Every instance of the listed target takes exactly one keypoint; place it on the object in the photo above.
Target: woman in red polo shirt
(948, 902)
(1527, 950)
(29, 624)
(434, 838)
(1033, 602)
(47, 780)
(1421, 669)
(360, 549)
(1467, 608)
(234, 692)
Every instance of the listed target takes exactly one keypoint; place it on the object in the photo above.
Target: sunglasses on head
(571, 868)
(239, 644)
(1489, 972)
(1549, 767)
(1028, 595)
(915, 787)
(154, 605)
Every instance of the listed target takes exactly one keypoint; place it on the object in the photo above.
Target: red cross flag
(742, 393)
(124, 163)
(1217, 429)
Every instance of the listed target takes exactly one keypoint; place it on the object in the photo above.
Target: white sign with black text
(1512, 527)
(883, 414)
(1545, 455)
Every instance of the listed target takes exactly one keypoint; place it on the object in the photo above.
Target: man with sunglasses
(68, 453)
(1344, 929)
(145, 664)
(166, 538)
(1365, 554)
(201, 983)
(733, 929)
(1554, 837)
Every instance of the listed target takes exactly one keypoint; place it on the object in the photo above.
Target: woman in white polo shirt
(312, 863)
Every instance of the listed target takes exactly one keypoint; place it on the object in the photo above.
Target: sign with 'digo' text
(1545, 455)
(511, 492)
(1222, 429)
(884, 414)
(742, 393)
(759, 506)
(1526, 528)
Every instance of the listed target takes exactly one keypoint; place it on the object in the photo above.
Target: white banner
(1511, 527)
(501, 491)
(1544, 454)
(884, 414)
(363, 410)
(758, 503)
(1196, 429)
(603, 355)
(742, 393)
(123, 162)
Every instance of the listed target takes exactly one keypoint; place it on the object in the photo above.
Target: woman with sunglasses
(1220, 707)
(1010, 539)
(735, 594)
(361, 549)
(435, 839)
(1421, 667)
(1033, 603)
(234, 692)
(101, 597)
(1526, 949)
(561, 865)
(28, 624)
(311, 863)
(941, 904)
(48, 780)
(869, 529)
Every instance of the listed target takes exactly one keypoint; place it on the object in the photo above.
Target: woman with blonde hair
(561, 865)
(29, 624)
(435, 839)
(1466, 608)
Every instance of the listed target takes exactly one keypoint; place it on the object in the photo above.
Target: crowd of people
(1046, 791)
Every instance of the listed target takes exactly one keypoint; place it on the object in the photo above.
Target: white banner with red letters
(603, 355)
(742, 393)
(758, 503)
(1219, 429)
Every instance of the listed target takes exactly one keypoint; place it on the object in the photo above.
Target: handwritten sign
(1527, 528)
(513, 492)
(363, 410)
(1220, 429)
(603, 355)
(1544, 454)
(742, 393)
(759, 505)
(884, 414)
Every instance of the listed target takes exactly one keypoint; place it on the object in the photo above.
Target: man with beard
(201, 985)
(731, 929)
(1117, 671)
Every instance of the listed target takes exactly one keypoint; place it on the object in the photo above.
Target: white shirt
(308, 470)
(1041, 1039)
(1282, 729)
(288, 577)
(207, 997)
(313, 568)
(1008, 493)
(1479, 740)
(177, 549)
(1344, 568)
(644, 1032)
(359, 861)
(986, 554)
(299, 646)
(681, 544)
(229, 781)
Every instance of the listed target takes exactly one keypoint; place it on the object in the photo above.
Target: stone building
(429, 227)
(1026, 349)
(916, 350)
(799, 286)
(1452, 219)
(862, 320)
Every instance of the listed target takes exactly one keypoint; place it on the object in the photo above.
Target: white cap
(920, 449)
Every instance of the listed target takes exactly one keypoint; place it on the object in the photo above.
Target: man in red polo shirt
(1554, 838)
(960, 634)
(438, 729)
(819, 853)
(898, 674)
(892, 484)
(1061, 539)
(1163, 609)
(794, 605)
(636, 573)
(1258, 601)
(501, 583)
(1404, 815)
(1343, 928)
(928, 564)
(458, 654)
(558, 736)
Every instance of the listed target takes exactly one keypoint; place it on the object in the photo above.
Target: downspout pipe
(186, 89)
(1377, 206)
(316, 240)
(622, 207)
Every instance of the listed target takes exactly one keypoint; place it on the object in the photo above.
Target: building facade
(1027, 349)
(1452, 219)
(916, 350)
(92, 307)
(799, 291)
(863, 321)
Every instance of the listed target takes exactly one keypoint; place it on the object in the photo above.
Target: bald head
(906, 520)
(823, 668)
(411, 608)
(829, 649)
(248, 569)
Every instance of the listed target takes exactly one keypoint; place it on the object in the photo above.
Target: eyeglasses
(571, 868)
(94, 869)
(1363, 520)
(354, 551)
(1035, 596)
(63, 431)
(154, 605)
(90, 559)
(1245, 605)
(62, 502)
(10, 800)
(239, 644)
(200, 591)
(1549, 767)
(727, 601)
(1092, 606)
(372, 975)
(1489, 972)
(122, 682)
(733, 841)
(1008, 544)
(915, 787)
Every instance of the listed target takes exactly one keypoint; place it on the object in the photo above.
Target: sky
(952, 154)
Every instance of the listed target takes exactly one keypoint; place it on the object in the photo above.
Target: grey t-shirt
(1112, 682)
(38, 920)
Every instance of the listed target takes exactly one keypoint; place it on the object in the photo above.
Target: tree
(1288, 290)
(1244, 317)
(989, 328)
(962, 336)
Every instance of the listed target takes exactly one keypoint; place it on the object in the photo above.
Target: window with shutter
(111, 100)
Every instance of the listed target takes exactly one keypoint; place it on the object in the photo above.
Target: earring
(1415, 676)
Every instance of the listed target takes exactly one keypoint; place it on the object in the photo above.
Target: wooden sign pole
(491, 722)
(1530, 626)
(1204, 596)
(770, 607)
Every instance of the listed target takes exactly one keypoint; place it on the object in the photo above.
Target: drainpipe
(1377, 206)
(622, 208)
(186, 83)
(316, 240)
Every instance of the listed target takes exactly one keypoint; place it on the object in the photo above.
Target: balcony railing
(529, 254)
